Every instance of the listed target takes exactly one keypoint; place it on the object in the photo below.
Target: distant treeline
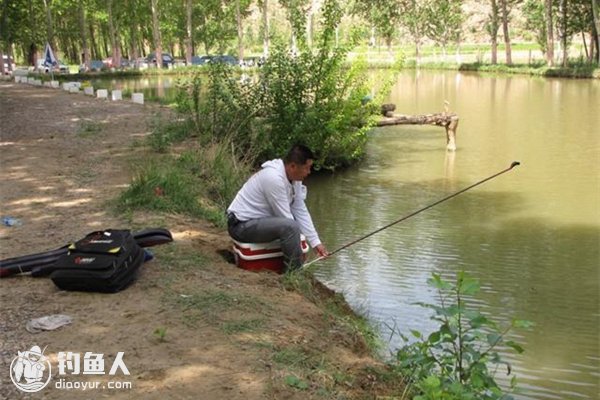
(84, 30)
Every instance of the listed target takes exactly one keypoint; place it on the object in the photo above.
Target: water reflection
(155, 87)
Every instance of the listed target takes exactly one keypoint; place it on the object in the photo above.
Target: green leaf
(437, 282)
(478, 321)
(493, 338)
(416, 334)
(431, 382)
(522, 323)
(515, 346)
(468, 285)
(434, 337)
(513, 382)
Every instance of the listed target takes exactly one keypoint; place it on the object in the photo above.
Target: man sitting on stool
(271, 206)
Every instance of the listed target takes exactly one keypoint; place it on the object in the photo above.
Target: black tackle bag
(104, 261)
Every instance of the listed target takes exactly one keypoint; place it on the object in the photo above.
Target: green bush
(312, 98)
(453, 362)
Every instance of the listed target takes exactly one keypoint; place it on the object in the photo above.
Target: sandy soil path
(192, 326)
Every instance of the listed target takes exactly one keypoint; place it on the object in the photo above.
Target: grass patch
(89, 128)
(174, 258)
(200, 182)
(214, 306)
(241, 326)
(164, 134)
(576, 70)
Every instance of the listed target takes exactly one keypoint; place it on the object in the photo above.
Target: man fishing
(271, 206)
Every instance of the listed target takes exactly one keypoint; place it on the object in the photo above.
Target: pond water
(531, 236)
(153, 87)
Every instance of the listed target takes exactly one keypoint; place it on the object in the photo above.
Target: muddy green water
(531, 236)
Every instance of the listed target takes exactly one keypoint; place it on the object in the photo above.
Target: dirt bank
(192, 326)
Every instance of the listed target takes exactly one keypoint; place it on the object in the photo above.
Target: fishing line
(512, 165)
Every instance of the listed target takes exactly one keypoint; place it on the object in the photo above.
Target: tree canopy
(80, 30)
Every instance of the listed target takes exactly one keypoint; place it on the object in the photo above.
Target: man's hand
(321, 251)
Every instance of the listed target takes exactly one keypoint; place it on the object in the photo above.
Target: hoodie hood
(277, 165)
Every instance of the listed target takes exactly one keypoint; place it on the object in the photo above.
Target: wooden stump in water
(446, 119)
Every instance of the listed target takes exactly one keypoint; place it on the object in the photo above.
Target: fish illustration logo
(30, 370)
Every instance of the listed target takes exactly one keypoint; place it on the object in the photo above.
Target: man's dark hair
(299, 154)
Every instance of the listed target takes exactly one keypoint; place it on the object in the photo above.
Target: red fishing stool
(261, 256)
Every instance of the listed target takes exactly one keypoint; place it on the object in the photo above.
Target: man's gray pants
(263, 230)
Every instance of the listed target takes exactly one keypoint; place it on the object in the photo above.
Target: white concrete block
(102, 94)
(117, 95)
(47, 84)
(30, 81)
(75, 84)
(89, 90)
(54, 84)
(17, 79)
(73, 89)
(66, 86)
(38, 82)
(138, 98)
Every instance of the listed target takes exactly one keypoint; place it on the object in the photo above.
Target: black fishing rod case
(104, 261)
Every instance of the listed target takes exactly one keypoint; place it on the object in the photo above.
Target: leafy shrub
(312, 98)
(454, 361)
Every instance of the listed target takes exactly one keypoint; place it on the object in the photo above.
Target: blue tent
(49, 59)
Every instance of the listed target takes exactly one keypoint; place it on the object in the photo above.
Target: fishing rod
(512, 165)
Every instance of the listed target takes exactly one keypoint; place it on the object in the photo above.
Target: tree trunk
(93, 44)
(32, 55)
(133, 42)
(294, 46)
(372, 38)
(114, 43)
(494, 32)
(505, 32)
(2, 24)
(156, 34)
(448, 120)
(584, 41)
(104, 35)
(310, 21)
(563, 34)
(189, 47)
(49, 26)
(549, 33)
(596, 13)
(265, 17)
(84, 44)
(240, 31)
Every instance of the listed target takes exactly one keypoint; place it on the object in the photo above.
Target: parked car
(95, 66)
(179, 62)
(167, 60)
(140, 63)
(253, 62)
(229, 60)
(108, 62)
(60, 67)
(201, 60)
(9, 64)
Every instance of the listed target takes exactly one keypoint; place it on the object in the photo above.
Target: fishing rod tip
(514, 164)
